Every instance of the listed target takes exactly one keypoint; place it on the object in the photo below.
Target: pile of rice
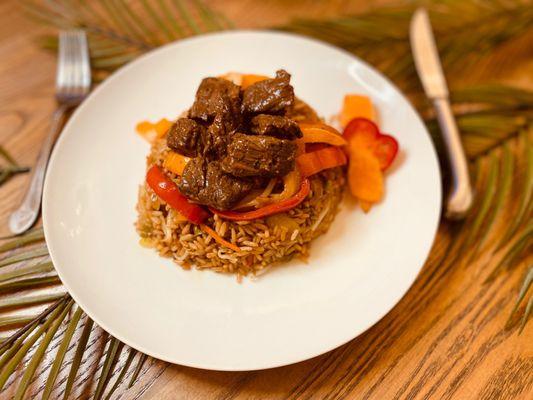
(262, 242)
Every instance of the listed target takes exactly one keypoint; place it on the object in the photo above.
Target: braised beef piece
(217, 137)
(185, 137)
(216, 96)
(276, 126)
(227, 164)
(207, 184)
(270, 96)
(263, 156)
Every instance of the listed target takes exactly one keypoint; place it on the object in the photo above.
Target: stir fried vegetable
(151, 132)
(219, 239)
(321, 133)
(175, 162)
(250, 79)
(356, 106)
(319, 160)
(261, 198)
(282, 220)
(364, 175)
(366, 134)
(167, 191)
(270, 209)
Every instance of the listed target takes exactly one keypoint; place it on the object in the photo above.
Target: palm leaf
(127, 29)
(527, 314)
(124, 370)
(32, 236)
(381, 36)
(112, 354)
(27, 270)
(10, 366)
(526, 192)
(82, 345)
(39, 353)
(9, 343)
(34, 253)
(12, 168)
(16, 320)
(17, 302)
(29, 283)
(495, 125)
(60, 356)
(138, 367)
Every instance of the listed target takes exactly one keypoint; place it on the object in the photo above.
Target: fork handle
(25, 216)
(461, 195)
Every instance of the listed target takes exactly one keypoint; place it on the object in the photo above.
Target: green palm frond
(33, 236)
(12, 168)
(495, 122)
(119, 31)
(466, 31)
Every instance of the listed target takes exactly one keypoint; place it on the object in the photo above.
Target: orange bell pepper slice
(175, 162)
(319, 160)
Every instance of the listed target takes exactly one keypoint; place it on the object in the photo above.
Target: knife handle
(461, 195)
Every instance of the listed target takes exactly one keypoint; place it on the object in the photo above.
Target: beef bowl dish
(249, 175)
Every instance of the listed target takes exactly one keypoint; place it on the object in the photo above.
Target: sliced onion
(269, 187)
(261, 198)
(291, 184)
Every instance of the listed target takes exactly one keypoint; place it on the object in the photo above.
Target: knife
(429, 70)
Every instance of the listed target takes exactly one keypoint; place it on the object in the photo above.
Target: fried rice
(263, 243)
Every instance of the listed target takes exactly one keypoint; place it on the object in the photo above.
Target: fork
(73, 82)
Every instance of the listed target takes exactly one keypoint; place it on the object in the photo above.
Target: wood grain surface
(446, 339)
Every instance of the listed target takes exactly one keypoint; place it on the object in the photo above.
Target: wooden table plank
(444, 340)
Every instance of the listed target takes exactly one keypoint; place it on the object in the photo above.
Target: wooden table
(444, 340)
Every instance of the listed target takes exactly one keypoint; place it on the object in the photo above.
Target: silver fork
(73, 82)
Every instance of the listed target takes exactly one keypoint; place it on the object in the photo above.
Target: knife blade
(428, 66)
(426, 56)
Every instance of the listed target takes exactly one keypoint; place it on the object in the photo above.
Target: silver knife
(429, 70)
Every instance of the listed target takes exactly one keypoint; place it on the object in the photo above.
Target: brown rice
(262, 242)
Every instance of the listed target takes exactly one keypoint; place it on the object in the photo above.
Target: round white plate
(356, 273)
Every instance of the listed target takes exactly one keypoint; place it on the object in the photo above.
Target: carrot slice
(365, 178)
(150, 131)
(365, 205)
(219, 239)
(356, 106)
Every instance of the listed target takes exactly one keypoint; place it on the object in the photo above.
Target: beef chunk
(270, 96)
(276, 126)
(216, 96)
(263, 156)
(207, 184)
(217, 137)
(185, 136)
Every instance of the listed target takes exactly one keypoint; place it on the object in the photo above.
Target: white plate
(356, 273)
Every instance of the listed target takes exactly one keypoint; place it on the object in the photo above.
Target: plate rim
(122, 70)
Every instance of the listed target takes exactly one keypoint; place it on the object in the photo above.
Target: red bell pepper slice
(270, 209)
(367, 134)
(168, 191)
